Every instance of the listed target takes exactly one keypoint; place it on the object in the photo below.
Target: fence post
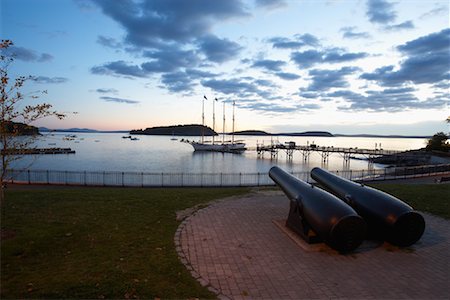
(85, 178)
(48, 178)
(123, 182)
(221, 179)
(65, 177)
(142, 179)
(162, 179)
(103, 178)
(258, 178)
(240, 179)
(29, 177)
(182, 179)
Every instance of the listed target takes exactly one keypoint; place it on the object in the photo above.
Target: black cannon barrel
(332, 220)
(386, 216)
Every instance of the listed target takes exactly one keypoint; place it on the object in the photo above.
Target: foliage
(438, 142)
(92, 243)
(12, 110)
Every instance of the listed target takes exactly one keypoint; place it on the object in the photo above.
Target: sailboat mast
(232, 136)
(223, 126)
(214, 119)
(203, 118)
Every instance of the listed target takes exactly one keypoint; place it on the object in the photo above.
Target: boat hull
(235, 147)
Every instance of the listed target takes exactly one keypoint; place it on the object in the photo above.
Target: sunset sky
(368, 66)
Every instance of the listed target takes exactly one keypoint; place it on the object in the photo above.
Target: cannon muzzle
(386, 216)
(332, 220)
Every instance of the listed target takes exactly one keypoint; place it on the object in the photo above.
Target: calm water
(109, 152)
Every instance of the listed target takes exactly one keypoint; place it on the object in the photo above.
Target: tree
(16, 117)
(438, 142)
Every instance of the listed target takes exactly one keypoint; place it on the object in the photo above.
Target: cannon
(313, 209)
(387, 217)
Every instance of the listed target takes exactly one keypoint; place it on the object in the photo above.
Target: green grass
(98, 243)
(432, 198)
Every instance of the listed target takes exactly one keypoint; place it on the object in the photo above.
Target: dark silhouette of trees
(16, 117)
(438, 142)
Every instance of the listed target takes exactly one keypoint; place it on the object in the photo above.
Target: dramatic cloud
(307, 59)
(169, 59)
(380, 12)
(243, 88)
(270, 3)
(107, 91)
(323, 80)
(50, 80)
(287, 76)
(218, 50)
(109, 42)
(119, 68)
(351, 33)
(276, 109)
(27, 55)
(184, 82)
(427, 61)
(270, 65)
(401, 26)
(150, 22)
(299, 40)
(119, 100)
(390, 100)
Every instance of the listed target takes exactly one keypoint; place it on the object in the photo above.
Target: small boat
(127, 137)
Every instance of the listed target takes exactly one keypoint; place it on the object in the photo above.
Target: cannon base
(299, 225)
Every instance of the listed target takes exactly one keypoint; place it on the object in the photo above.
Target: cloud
(109, 42)
(270, 65)
(270, 3)
(350, 33)
(107, 91)
(243, 88)
(178, 82)
(27, 55)
(218, 50)
(380, 12)
(287, 76)
(390, 100)
(298, 41)
(441, 9)
(149, 22)
(119, 100)
(307, 59)
(401, 26)
(323, 80)
(169, 59)
(276, 109)
(50, 80)
(119, 68)
(427, 61)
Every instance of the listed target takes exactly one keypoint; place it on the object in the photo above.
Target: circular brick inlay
(234, 248)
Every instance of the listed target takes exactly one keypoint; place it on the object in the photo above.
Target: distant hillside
(20, 128)
(251, 132)
(384, 136)
(181, 130)
(81, 130)
(308, 133)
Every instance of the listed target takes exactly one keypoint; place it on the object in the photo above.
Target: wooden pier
(37, 151)
(324, 151)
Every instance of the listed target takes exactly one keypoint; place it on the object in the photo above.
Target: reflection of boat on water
(224, 146)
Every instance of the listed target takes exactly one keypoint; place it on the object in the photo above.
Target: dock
(324, 151)
(37, 151)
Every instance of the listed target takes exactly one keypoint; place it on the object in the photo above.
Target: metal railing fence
(147, 179)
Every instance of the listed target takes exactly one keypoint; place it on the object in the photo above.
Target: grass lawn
(95, 243)
(432, 198)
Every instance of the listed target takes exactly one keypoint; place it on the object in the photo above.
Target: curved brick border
(183, 257)
(234, 249)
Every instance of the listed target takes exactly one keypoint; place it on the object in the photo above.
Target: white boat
(229, 146)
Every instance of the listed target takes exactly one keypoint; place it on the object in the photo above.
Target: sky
(354, 66)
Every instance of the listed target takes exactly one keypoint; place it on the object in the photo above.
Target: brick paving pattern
(234, 248)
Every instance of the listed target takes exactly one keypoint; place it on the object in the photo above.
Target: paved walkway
(235, 248)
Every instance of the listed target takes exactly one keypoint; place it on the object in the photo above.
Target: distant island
(251, 132)
(19, 128)
(81, 130)
(179, 130)
(306, 133)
